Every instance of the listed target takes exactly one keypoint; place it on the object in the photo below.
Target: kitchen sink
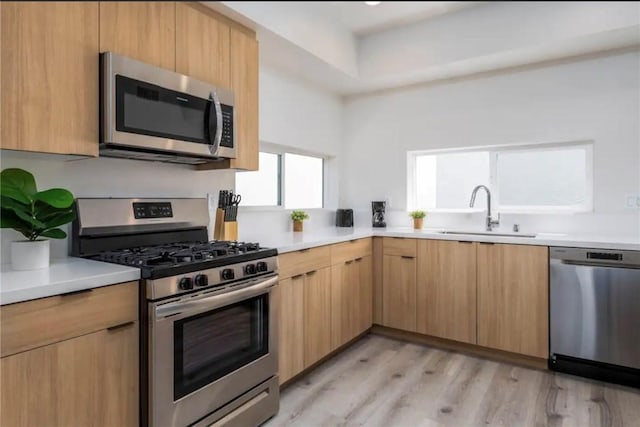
(489, 233)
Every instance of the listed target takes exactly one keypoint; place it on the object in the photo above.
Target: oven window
(147, 109)
(212, 344)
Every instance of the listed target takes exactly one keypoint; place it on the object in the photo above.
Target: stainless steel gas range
(209, 342)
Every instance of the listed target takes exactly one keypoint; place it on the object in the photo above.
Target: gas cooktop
(158, 261)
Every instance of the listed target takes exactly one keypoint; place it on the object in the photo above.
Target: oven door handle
(179, 309)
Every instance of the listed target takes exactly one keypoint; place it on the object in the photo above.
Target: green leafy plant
(417, 214)
(299, 215)
(31, 212)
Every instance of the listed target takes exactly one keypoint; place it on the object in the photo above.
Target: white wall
(594, 99)
(308, 119)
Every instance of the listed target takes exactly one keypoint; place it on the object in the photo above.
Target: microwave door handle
(215, 123)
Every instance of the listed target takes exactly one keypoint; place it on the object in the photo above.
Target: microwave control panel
(227, 126)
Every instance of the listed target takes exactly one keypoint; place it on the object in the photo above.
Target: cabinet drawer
(350, 250)
(44, 321)
(303, 261)
(399, 246)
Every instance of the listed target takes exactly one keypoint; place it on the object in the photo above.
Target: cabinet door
(290, 347)
(91, 380)
(317, 315)
(244, 82)
(365, 297)
(202, 45)
(49, 77)
(446, 289)
(344, 302)
(513, 298)
(145, 31)
(399, 292)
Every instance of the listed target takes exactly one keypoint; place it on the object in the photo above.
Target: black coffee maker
(378, 210)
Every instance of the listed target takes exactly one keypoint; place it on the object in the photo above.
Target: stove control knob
(201, 280)
(250, 269)
(227, 274)
(185, 283)
(262, 267)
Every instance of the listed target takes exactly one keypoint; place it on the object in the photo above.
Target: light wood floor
(382, 382)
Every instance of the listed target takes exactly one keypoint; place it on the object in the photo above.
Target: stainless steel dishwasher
(595, 313)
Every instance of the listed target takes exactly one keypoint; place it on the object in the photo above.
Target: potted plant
(418, 219)
(33, 213)
(298, 217)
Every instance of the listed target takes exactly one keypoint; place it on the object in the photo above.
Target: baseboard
(475, 350)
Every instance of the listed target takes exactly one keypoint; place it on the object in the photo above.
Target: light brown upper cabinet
(399, 283)
(513, 298)
(202, 45)
(446, 289)
(145, 31)
(244, 83)
(49, 77)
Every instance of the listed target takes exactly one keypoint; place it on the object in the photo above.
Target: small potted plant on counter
(34, 214)
(418, 219)
(298, 217)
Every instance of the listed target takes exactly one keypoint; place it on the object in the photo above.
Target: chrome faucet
(490, 221)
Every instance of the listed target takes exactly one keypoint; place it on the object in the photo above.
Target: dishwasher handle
(596, 257)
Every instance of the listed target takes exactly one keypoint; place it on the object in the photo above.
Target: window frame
(280, 151)
(493, 151)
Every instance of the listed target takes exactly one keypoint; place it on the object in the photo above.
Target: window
(541, 178)
(290, 180)
(261, 187)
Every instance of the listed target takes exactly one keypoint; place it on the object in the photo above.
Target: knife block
(224, 230)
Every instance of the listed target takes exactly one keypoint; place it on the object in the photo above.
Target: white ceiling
(360, 18)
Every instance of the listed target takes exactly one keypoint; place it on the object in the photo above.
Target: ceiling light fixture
(372, 3)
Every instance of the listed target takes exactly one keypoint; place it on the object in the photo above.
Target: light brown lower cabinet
(351, 300)
(399, 292)
(291, 331)
(317, 315)
(446, 289)
(513, 298)
(91, 380)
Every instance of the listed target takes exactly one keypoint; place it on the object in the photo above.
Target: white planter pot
(29, 255)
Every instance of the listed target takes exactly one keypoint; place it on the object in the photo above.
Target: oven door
(207, 349)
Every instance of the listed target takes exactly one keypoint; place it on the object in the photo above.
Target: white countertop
(290, 241)
(64, 275)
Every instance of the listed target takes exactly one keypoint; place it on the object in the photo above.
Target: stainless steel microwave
(150, 113)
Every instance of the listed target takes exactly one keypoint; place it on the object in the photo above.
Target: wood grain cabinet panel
(349, 251)
(399, 292)
(399, 246)
(365, 281)
(49, 77)
(145, 31)
(317, 315)
(291, 332)
(513, 298)
(446, 289)
(87, 381)
(31, 324)
(302, 261)
(202, 45)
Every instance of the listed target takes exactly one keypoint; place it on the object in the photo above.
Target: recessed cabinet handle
(352, 241)
(407, 257)
(487, 243)
(81, 291)
(464, 241)
(311, 272)
(304, 250)
(348, 262)
(297, 276)
(358, 259)
(120, 326)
